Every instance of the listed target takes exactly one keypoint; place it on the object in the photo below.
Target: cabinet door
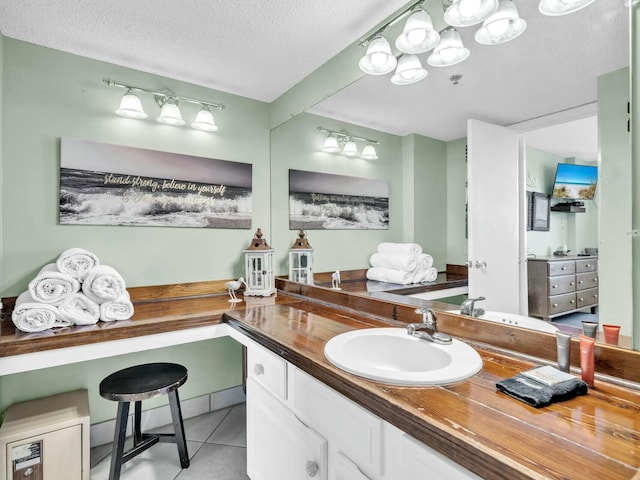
(421, 462)
(345, 469)
(279, 446)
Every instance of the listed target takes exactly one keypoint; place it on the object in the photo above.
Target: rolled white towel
(119, 309)
(80, 310)
(77, 262)
(408, 263)
(403, 248)
(103, 283)
(425, 261)
(51, 286)
(30, 316)
(431, 275)
(389, 275)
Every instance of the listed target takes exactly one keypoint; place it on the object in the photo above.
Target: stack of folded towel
(402, 263)
(76, 290)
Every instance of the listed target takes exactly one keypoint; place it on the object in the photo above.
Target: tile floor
(217, 444)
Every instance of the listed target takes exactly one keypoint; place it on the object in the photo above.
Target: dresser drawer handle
(555, 305)
(258, 369)
(572, 283)
(572, 301)
(581, 282)
(554, 286)
(595, 279)
(581, 299)
(588, 265)
(563, 268)
(595, 295)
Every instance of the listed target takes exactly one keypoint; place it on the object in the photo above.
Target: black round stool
(135, 384)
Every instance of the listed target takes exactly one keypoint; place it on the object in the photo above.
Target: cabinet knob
(595, 279)
(581, 282)
(554, 286)
(27, 472)
(312, 468)
(555, 305)
(563, 268)
(595, 295)
(588, 265)
(581, 299)
(572, 301)
(258, 369)
(572, 283)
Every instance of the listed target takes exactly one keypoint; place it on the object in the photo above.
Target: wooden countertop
(491, 434)
(596, 436)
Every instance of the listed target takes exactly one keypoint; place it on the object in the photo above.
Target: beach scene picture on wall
(320, 201)
(103, 184)
(576, 182)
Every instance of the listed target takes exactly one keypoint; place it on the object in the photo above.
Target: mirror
(360, 107)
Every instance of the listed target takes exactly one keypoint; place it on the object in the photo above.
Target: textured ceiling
(552, 66)
(261, 49)
(257, 49)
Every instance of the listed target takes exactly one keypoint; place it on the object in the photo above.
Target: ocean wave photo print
(103, 184)
(320, 201)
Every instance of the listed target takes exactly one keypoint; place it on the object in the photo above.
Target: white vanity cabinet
(299, 428)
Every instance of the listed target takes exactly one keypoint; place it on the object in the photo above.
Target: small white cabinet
(299, 428)
(279, 446)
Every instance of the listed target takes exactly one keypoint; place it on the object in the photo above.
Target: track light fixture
(168, 101)
(500, 24)
(344, 143)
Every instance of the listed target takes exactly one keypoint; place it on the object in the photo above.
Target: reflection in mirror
(554, 73)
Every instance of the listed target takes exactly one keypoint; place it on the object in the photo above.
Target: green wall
(430, 198)
(49, 94)
(457, 250)
(576, 230)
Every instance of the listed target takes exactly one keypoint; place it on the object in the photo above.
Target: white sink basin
(391, 355)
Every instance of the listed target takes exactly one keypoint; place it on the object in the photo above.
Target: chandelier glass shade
(502, 26)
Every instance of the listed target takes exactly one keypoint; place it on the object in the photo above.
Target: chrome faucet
(468, 307)
(428, 329)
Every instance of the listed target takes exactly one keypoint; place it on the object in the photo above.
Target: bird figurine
(234, 285)
(335, 280)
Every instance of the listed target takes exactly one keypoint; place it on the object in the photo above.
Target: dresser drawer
(586, 265)
(268, 369)
(562, 303)
(562, 268)
(561, 284)
(585, 298)
(586, 280)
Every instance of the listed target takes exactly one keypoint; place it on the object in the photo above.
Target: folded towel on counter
(76, 262)
(425, 261)
(402, 248)
(51, 286)
(538, 394)
(425, 275)
(389, 275)
(103, 283)
(408, 263)
(119, 309)
(29, 316)
(80, 310)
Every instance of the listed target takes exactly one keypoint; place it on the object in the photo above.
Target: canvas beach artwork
(103, 184)
(320, 201)
(575, 181)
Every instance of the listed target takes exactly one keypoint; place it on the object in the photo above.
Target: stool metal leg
(118, 441)
(137, 421)
(178, 427)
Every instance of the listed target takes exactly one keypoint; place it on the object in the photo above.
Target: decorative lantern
(258, 267)
(301, 260)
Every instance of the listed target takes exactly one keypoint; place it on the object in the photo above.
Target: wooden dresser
(560, 285)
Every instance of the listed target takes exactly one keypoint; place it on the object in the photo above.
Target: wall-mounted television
(575, 182)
